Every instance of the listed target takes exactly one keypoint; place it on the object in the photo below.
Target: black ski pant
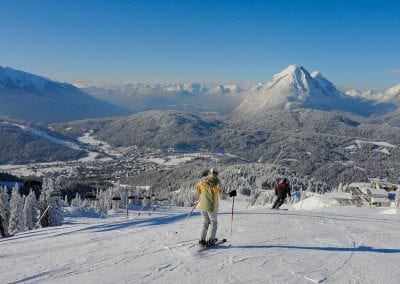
(278, 202)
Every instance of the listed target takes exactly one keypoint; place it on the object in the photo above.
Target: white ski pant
(209, 218)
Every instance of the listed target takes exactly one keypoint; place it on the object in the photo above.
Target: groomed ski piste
(311, 242)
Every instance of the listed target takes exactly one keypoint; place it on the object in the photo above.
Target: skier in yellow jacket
(209, 190)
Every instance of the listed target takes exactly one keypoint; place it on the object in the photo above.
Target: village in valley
(109, 176)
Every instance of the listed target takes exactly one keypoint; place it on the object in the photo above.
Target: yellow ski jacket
(209, 191)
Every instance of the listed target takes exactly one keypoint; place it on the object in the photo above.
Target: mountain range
(221, 98)
(317, 126)
(295, 88)
(292, 88)
(35, 98)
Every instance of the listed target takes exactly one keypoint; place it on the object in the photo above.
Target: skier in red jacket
(282, 190)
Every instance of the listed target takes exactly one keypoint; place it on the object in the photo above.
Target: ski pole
(194, 207)
(233, 204)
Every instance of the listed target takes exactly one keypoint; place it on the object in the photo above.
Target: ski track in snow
(334, 245)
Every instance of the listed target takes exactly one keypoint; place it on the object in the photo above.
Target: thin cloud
(395, 70)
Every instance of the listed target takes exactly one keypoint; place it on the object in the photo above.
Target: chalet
(378, 197)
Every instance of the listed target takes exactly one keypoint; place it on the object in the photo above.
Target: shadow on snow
(162, 220)
(335, 249)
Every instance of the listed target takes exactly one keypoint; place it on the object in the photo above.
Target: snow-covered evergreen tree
(66, 202)
(56, 212)
(50, 203)
(4, 206)
(43, 204)
(102, 203)
(16, 221)
(30, 211)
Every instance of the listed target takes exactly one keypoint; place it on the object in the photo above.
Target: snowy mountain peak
(317, 75)
(21, 79)
(368, 94)
(327, 86)
(292, 84)
(295, 87)
(293, 72)
(392, 93)
(31, 97)
(293, 68)
(228, 88)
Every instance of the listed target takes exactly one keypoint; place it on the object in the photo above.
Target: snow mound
(315, 202)
(390, 211)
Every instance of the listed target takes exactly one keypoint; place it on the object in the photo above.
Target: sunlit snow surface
(337, 244)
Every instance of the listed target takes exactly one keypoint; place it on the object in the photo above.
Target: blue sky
(353, 43)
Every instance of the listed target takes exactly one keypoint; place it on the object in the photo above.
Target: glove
(232, 193)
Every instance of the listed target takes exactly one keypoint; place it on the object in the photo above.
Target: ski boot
(211, 242)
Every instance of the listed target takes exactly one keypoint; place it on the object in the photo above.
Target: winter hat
(214, 171)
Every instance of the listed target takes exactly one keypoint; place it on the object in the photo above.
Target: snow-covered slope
(369, 95)
(228, 89)
(290, 88)
(393, 94)
(141, 89)
(46, 136)
(35, 98)
(326, 245)
(140, 97)
(295, 87)
(21, 79)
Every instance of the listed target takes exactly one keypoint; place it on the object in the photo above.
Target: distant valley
(314, 128)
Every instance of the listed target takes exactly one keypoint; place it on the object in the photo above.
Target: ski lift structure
(132, 199)
(116, 198)
(91, 197)
(140, 200)
(55, 193)
(161, 201)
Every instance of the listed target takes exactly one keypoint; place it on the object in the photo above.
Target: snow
(382, 146)
(383, 150)
(104, 146)
(32, 170)
(292, 88)
(43, 169)
(337, 244)
(174, 160)
(228, 88)
(171, 161)
(392, 93)
(22, 79)
(345, 163)
(390, 211)
(314, 202)
(368, 94)
(46, 136)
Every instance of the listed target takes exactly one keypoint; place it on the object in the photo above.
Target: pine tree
(4, 206)
(102, 203)
(76, 202)
(50, 203)
(30, 211)
(16, 222)
(56, 216)
(43, 204)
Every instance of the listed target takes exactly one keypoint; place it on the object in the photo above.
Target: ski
(279, 209)
(8, 236)
(203, 248)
